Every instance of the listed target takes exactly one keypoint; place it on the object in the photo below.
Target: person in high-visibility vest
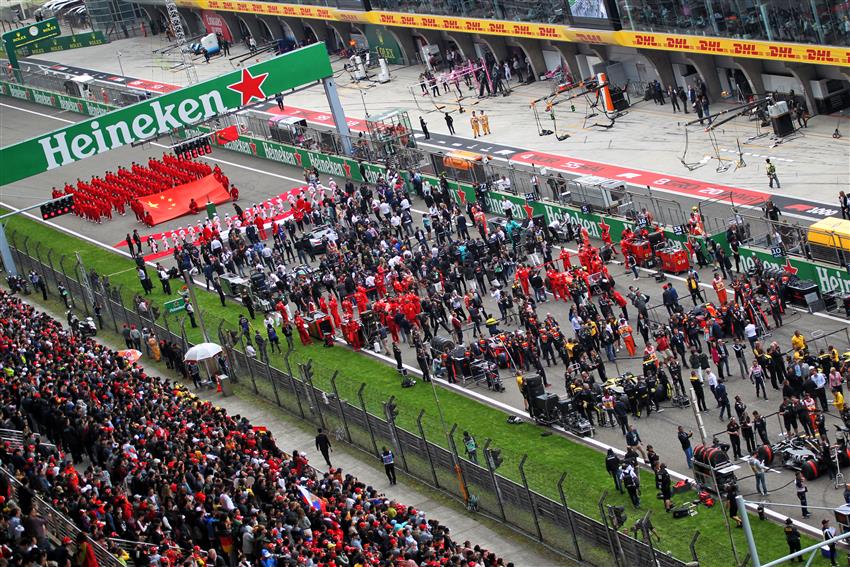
(389, 464)
(625, 331)
(473, 121)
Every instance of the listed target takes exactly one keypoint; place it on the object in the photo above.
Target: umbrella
(202, 351)
(132, 355)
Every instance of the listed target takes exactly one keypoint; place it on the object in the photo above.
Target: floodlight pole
(338, 115)
(5, 251)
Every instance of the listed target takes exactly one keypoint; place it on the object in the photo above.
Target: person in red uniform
(333, 307)
(522, 275)
(193, 207)
(234, 192)
(301, 325)
(606, 235)
(361, 299)
(565, 258)
(260, 223)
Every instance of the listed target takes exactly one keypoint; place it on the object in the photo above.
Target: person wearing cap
(792, 537)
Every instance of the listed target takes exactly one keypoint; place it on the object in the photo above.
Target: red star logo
(249, 87)
(461, 196)
(298, 158)
(789, 269)
(603, 226)
(253, 147)
(347, 168)
(528, 210)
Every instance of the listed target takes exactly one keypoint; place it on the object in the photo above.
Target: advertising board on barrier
(827, 278)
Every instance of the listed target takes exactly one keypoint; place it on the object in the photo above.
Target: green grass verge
(548, 456)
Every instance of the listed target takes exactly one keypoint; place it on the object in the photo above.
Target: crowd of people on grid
(139, 459)
(95, 199)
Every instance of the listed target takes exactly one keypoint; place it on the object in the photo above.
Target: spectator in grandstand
(177, 474)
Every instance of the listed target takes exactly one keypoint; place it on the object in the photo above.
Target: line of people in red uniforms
(95, 199)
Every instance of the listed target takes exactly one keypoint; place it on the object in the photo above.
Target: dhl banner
(794, 52)
(275, 9)
(791, 52)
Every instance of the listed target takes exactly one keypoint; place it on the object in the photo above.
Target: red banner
(215, 23)
(175, 202)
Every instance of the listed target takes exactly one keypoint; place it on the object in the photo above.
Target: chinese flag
(226, 135)
(174, 202)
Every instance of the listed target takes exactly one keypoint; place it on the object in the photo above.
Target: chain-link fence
(368, 421)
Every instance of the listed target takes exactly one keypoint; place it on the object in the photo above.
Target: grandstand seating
(139, 458)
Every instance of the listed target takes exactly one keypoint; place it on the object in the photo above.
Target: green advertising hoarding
(163, 114)
(60, 43)
(384, 43)
(827, 278)
(31, 34)
(65, 42)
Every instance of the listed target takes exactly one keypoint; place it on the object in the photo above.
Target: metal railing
(58, 525)
(513, 503)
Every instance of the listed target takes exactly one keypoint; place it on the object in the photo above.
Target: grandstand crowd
(141, 460)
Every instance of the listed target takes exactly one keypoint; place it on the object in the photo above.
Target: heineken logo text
(154, 120)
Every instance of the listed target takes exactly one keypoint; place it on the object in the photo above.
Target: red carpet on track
(174, 202)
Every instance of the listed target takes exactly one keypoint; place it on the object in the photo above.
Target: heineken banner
(163, 114)
(827, 278)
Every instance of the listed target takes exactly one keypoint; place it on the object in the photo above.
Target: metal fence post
(248, 363)
(614, 553)
(109, 304)
(27, 252)
(120, 298)
(490, 467)
(65, 277)
(78, 268)
(182, 329)
(341, 408)
(165, 322)
(274, 387)
(464, 489)
(427, 447)
(40, 265)
(693, 547)
(292, 382)
(648, 537)
(569, 513)
(389, 410)
(530, 496)
(366, 417)
(50, 263)
(307, 380)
